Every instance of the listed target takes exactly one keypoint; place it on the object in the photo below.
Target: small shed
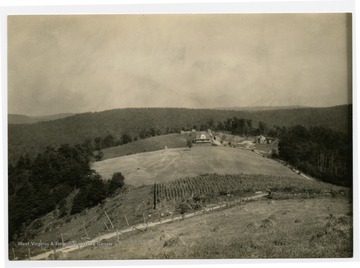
(260, 139)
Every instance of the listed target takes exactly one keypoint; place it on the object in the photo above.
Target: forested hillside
(319, 152)
(44, 184)
(136, 123)
(25, 119)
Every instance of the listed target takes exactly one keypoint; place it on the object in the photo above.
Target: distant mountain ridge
(259, 108)
(34, 138)
(25, 119)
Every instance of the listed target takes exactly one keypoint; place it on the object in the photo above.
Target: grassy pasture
(147, 145)
(171, 164)
(295, 228)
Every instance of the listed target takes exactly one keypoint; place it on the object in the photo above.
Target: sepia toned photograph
(180, 136)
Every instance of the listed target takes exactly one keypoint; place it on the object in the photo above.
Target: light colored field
(294, 228)
(164, 165)
(173, 140)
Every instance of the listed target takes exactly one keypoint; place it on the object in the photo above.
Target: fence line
(142, 226)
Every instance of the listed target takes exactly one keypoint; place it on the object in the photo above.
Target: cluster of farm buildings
(208, 136)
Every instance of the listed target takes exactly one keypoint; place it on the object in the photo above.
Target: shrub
(116, 182)
(189, 143)
(183, 208)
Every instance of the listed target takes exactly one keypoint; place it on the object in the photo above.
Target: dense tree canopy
(37, 187)
(320, 152)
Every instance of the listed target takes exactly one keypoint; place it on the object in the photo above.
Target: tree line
(111, 140)
(139, 123)
(245, 127)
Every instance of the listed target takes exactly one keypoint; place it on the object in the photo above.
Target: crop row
(215, 184)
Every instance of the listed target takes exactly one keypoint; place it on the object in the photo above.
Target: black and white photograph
(180, 136)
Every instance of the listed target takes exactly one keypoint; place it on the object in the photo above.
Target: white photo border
(38, 7)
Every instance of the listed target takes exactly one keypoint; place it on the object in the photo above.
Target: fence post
(160, 216)
(155, 195)
(127, 222)
(106, 226)
(85, 229)
(112, 225)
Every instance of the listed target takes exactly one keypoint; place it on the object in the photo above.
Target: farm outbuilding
(264, 140)
(260, 139)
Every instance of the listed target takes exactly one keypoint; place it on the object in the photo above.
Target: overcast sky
(78, 63)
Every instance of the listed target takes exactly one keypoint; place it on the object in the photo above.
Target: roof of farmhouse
(200, 133)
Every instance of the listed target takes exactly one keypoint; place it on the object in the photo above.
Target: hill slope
(289, 228)
(166, 165)
(25, 119)
(34, 138)
(258, 108)
(173, 140)
(137, 205)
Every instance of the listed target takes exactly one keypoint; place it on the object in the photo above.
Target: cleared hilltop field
(173, 140)
(166, 165)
